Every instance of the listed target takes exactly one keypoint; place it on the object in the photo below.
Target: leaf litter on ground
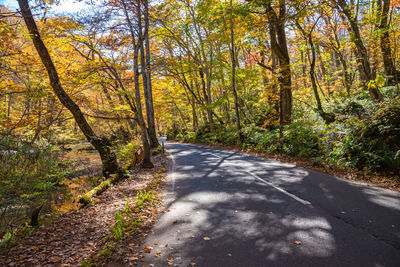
(78, 234)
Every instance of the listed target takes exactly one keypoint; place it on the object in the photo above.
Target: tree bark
(233, 59)
(148, 91)
(393, 76)
(102, 144)
(364, 66)
(277, 33)
(138, 109)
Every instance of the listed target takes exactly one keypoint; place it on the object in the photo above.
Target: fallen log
(87, 198)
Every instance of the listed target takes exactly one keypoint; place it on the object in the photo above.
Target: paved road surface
(259, 212)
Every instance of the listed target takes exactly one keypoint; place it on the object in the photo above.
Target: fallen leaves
(206, 238)
(170, 261)
(56, 259)
(297, 242)
(148, 249)
(78, 234)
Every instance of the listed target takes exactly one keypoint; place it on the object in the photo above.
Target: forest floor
(78, 235)
(383, 180)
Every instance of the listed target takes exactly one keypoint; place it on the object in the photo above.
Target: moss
(87, 199)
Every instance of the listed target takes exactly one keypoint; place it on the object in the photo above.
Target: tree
(102, 144)
(364, 66)
(276, 24)
(148, 91)
(391, 73)
(233, 60)
(137, 47)
(307, 35)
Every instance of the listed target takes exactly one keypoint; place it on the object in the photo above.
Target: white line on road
(302, 201)
(173, 170)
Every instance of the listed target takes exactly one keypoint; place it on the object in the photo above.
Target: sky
(65, 6)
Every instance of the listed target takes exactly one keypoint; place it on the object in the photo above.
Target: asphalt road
(233, 209)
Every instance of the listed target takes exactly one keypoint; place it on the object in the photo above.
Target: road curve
(232, 209)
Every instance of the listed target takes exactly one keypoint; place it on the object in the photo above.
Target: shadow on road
(250, 223)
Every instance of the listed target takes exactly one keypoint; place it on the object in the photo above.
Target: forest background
(317, 80)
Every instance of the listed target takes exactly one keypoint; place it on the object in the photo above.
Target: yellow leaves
(9, 84)
(206, 238)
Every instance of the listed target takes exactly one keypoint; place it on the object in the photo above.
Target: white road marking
(173, 171)
(302, 201)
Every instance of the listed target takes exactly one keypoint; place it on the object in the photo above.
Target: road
(233, 209)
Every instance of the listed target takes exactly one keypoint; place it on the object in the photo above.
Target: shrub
(179, 137)
(126, 153)
(28, 178)
(190, 136)
(301, 139)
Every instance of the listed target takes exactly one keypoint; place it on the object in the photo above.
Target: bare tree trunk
(102, 144)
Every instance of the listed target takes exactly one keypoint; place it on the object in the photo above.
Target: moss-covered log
(87, 198)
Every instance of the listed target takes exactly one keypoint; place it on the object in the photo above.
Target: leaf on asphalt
(229, 254)
(297, 242)
(148, 249)
(192, 263)
(158, 254)
(206, 238)
(170, 261)
(56, 259)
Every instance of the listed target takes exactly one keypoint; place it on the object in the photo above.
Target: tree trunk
(145, 137)
(148, 92)
(206, 92)
(361, 52)
(138, 107)
(102, 144)
(393, 76)
(279, 46)
(328, 118)
(233, 59)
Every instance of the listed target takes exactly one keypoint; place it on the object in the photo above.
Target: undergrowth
(129, 221)
(364, 136)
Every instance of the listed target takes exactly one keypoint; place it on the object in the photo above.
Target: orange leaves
(56, 259)
(148, 249)
(170, 261)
